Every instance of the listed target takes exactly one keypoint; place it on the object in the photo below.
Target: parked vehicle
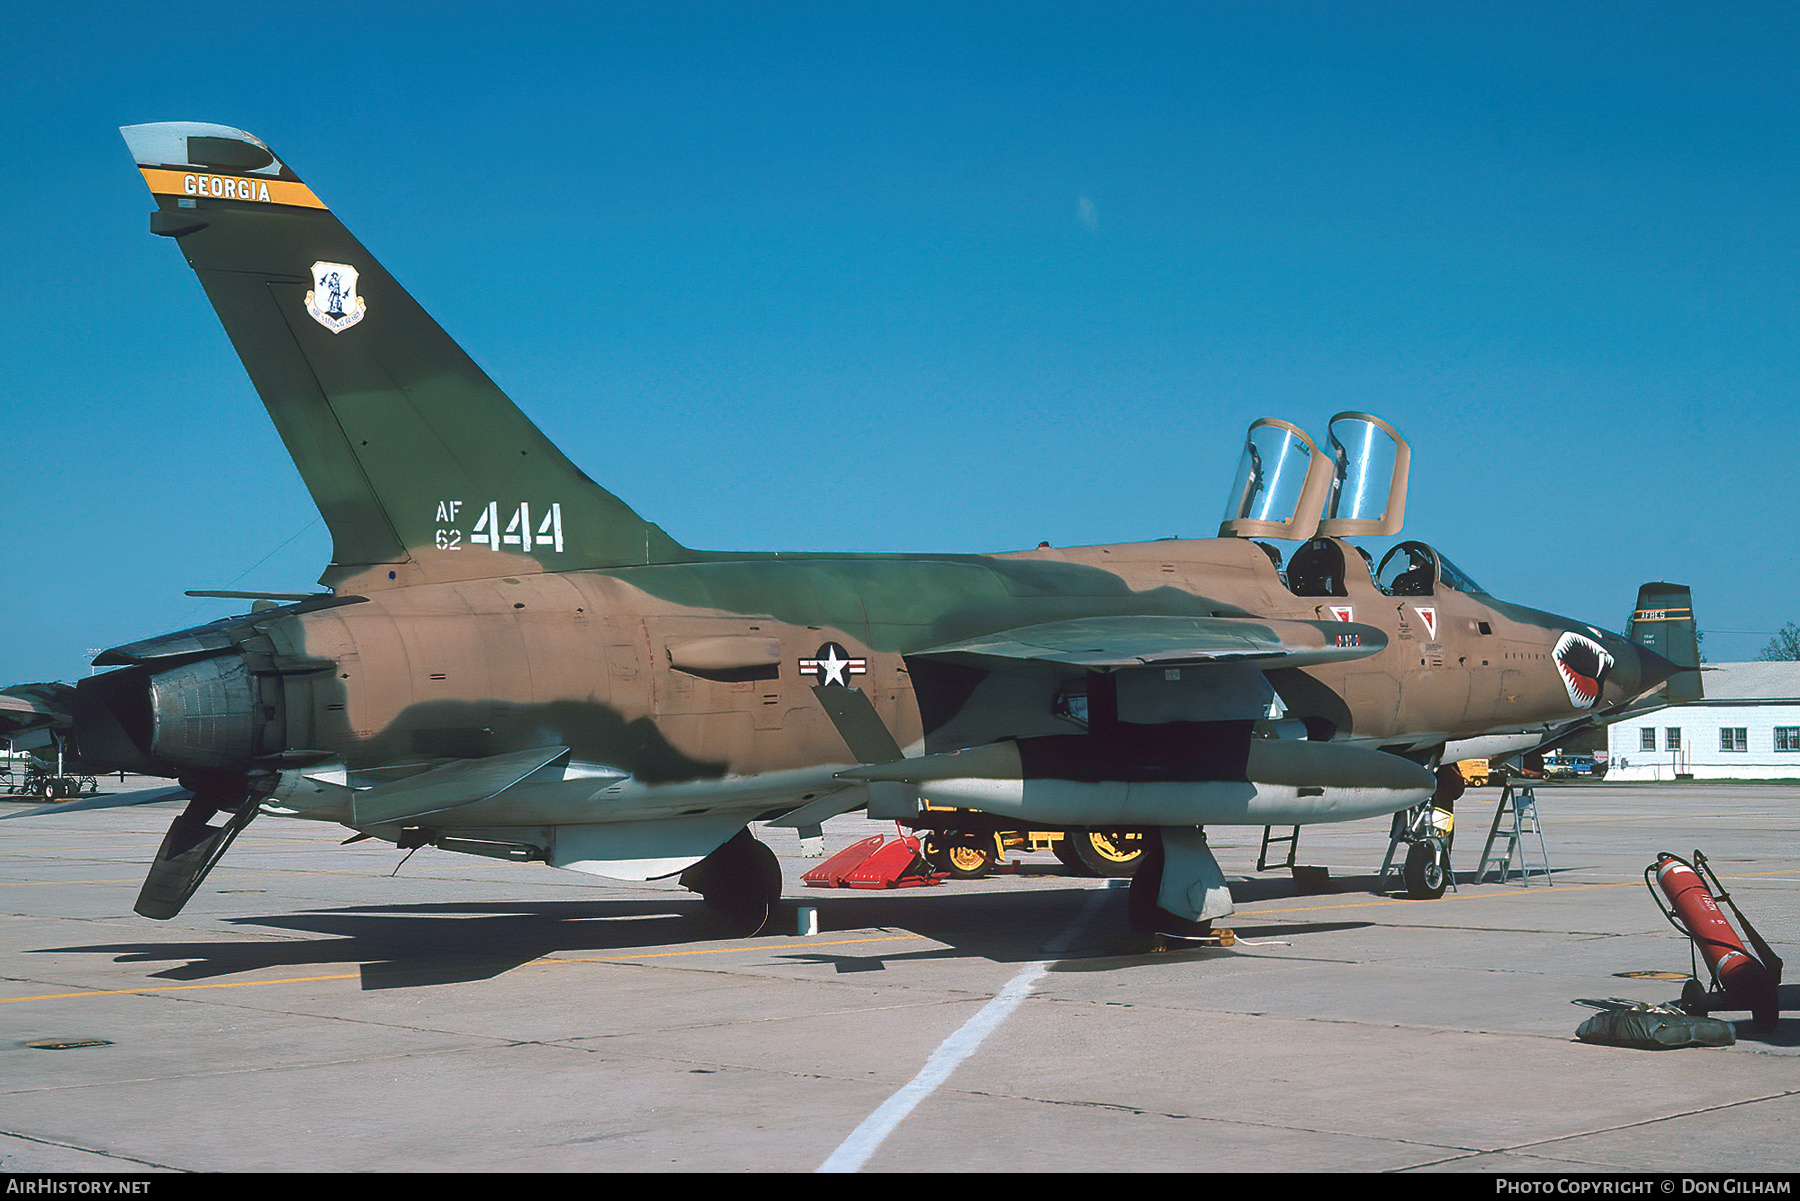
(1563, 767)
(1475, 772)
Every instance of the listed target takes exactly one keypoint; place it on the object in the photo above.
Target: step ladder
(1269, 836)
(1308, 881)
(1521, 803)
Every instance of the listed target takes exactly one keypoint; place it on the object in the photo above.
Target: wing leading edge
(1114, 643)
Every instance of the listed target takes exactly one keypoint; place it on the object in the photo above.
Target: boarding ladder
(1521, 803)
(1269, 837)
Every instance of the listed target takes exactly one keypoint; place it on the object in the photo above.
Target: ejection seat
(1317, 569)
(1419, 577)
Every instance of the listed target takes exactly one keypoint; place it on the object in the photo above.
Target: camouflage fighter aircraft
(509, 661)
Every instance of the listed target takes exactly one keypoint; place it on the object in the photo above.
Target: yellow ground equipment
(1474, 772)
(968, 845)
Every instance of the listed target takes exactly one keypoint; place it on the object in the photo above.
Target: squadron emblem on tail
(333, 302)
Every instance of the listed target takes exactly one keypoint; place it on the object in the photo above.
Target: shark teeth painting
(1583, 666)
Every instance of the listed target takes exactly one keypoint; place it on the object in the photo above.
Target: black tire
(1064, 850)
(1146, 883)
(740, 883)
(1111, 853)
(1426, 873)
(1450, 786)
(1693, 997)
(964, 858)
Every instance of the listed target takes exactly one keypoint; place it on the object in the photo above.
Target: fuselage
(676, 675)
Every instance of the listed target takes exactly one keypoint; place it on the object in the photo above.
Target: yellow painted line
(150, 989)
(67, 883)
(153, 990)
(789, 946)
(1521, 892)
(1492, 896)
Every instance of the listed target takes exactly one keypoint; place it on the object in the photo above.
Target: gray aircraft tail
(422, 467)
(1664, 622)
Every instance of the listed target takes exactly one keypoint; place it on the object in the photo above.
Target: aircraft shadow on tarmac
(402, 946)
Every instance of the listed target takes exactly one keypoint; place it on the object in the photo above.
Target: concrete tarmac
(315, 1010)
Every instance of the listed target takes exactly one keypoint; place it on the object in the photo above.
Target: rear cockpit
(1317, 569)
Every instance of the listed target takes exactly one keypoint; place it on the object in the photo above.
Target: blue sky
(948, 277)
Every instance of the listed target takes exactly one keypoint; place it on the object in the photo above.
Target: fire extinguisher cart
(1742, 977)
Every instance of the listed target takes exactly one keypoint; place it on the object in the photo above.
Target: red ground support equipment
(875, 862)
(1740, 979)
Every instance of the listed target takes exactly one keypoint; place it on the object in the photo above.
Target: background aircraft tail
(1664, 622)
(422, 468)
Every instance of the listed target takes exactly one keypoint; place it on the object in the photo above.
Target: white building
(1747, 728)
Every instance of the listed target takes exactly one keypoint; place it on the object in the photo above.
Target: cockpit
(1318, 568)
(1289, 488)
(1415, 569)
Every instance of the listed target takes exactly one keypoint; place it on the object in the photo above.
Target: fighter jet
(507, 660)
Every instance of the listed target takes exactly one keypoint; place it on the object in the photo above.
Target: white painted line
(866, 1138)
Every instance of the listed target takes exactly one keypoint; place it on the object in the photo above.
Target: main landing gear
(740, 883)
(1178, 888)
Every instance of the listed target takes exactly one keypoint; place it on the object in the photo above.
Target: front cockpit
(1415, 569)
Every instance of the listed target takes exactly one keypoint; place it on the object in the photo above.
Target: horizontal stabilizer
(1107, 643)
(462, 782)
(197, 839)
(112, 800)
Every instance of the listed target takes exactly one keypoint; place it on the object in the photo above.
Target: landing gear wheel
(963, 859)
(1147, 917)
(1064, 850)
(1693, 997)
(1426, 874)
(1112, 853)
(740, 882)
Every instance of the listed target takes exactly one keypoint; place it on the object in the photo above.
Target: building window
(1647, 738)
(1787, 738)
(1734, 738)
(1672, 738)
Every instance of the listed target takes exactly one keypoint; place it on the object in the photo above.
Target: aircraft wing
(26, 707)
(1111, 643)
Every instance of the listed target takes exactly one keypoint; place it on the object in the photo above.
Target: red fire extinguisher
(1742, 979)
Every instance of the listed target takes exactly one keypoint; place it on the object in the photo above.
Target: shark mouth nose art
(1583, 666)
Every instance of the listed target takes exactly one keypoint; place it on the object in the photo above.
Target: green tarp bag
(1655, 1030)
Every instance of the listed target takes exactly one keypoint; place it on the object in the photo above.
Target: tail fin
(1664, 622)
(422, 468)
